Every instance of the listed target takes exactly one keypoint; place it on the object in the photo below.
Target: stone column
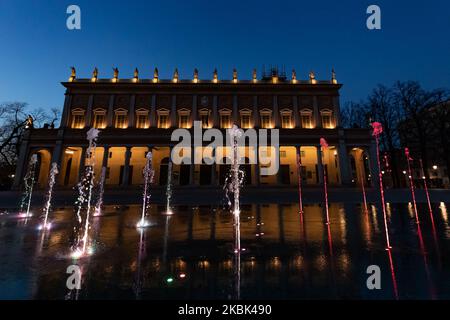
(192, 168)
(279, 182)
(319, 164)
(194, 113)
(296, 112)
(88, 117)
(215, 113)
(105, 156)
(66, 111)
(255, 112)
(126, 168)
(257, 169)
(82, 162)
(235, 110)
(276, 113)
(153, 120)
(344, 165)
(131, 122)
(173, 112)
(336, 113)
(110, 115)
(317, 122)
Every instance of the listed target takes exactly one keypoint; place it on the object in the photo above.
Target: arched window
(204, 117)
(286, 118)
(78, 118)
(246, 118)
(225, 118)
(306, 118)
(121, 121)
(327, 119)
(184, 118)
(163, 118)
(142, 119)
(266, 118)
(99, 118)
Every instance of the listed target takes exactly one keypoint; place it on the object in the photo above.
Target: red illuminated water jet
(323, 146)
(411, 183)
(377, 130)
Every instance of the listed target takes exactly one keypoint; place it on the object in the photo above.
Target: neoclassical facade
(137, 115)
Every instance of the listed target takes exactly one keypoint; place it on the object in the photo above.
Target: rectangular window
(306, 121)
(245, 121)
(326, 121)
(286, 121)
(184, 121)
(99, 120)
(266, 121)
(142, 121)
(225, 121)
(163, 121)
(121, 121)
(205, 120)
(78, 121)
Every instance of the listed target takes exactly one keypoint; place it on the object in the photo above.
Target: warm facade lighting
(136, 75)
(73, 74)
(435, 167)
(94, 75)
(155, 75)
(235, 75)
(215, 76)
(195, 75)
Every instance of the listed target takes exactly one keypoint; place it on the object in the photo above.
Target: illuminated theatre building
(136, 115)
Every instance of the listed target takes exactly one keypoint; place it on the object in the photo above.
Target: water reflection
(190, 254)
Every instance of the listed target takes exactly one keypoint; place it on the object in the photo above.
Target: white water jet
(233, 185)
(84, 199)
(169, 188)
(148, 174)
(29, 180)
(101, 191)
(51, 182)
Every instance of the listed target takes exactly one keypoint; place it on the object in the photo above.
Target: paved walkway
(207, 195)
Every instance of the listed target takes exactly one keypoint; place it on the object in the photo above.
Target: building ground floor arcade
(345, 165)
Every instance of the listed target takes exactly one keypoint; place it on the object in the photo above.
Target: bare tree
(13, 121)
(355, 115)
(384, 110)
(417, 105)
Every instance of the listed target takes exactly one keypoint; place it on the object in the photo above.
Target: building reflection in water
(189, 254)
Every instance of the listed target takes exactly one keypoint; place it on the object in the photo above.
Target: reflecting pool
(189, 254)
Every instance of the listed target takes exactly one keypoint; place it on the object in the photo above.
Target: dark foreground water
(189, 255)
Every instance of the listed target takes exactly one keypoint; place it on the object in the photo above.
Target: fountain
(299, 177)
(101, 191)
(169, 188)
(148, 173)
(377, 131)
(425, 185)
(85, 186)
(323, 146)
(411, 183)
(51, 182)
(233, 184)
(29, 180)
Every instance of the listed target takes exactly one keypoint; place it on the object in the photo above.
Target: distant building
(137, 115)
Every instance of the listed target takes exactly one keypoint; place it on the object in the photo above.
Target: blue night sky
(37, 49)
